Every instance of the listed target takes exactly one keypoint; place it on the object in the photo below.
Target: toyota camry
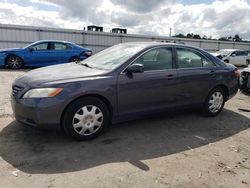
(123, 82)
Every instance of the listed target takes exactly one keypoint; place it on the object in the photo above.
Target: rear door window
(190, 59)
(60, 46)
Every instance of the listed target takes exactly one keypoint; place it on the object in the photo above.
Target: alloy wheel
(215, 102)
(87, 120)
(14, 62)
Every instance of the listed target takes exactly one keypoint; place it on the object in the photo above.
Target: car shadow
(34, 151)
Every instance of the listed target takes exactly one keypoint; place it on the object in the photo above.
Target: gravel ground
(177, 150)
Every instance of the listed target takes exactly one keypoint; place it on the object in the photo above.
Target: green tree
(196, 36)
(237, 38)
(180, 35)
(190, 35)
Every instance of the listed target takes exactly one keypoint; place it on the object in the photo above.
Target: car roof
(61, 41)
(155, 44)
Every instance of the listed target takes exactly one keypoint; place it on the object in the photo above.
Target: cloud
(11, 13)
(142, 6)
(217, 19)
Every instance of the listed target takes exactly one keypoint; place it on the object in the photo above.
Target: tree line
(235, 38)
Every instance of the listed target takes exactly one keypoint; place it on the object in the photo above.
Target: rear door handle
(212, 73)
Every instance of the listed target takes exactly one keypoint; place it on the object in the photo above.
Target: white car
(234, 56)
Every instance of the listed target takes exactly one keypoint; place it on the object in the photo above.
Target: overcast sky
(205, 17)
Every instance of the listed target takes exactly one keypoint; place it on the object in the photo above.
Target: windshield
(113, 57)
(224, 52)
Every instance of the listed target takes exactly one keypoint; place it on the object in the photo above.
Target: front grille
(16, 89)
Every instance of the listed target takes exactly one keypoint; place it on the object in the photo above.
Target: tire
(14, 62)
(226, 61)
(85, 118)
(74, 59)
(214, 102)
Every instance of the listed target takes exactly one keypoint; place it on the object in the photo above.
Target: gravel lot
(177, 150)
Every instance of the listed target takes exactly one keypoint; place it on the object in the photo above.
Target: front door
(152, 90)
(238, 57)
(39, 55)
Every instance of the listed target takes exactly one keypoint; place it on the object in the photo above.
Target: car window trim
(62, 44)
(192, 49)
(173, 59)
(39, 44)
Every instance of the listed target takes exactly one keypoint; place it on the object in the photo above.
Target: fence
(15, 36)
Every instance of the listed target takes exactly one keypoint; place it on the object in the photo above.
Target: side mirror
(135, 68)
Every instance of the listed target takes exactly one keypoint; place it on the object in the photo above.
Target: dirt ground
(178, 150)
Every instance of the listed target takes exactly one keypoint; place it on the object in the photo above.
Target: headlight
(42, 92)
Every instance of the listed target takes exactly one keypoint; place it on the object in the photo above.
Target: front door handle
(170, 77)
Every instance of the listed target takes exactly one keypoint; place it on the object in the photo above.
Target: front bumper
(42, 113)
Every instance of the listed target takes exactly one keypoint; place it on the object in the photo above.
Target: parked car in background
(245, 80)
(43, 53)
(124, 82)
(234, 56)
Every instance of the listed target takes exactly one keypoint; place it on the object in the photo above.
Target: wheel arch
(100, 97)
(12, 54)
(73, 56)
(225, 89)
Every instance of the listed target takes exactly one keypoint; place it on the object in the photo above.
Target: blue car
(43, 53)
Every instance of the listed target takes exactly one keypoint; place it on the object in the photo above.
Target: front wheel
(214, 102)
(85, 118)
(14, 62)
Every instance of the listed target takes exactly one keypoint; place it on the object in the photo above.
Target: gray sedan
(124, 82)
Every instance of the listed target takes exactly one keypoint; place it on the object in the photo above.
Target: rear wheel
(14, 62)
(214, 102)
(85, 118)
(74, 59)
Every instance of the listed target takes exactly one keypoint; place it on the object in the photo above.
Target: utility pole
(170, 32)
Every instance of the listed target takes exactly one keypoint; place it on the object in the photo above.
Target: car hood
(10, 49)
(56, 73)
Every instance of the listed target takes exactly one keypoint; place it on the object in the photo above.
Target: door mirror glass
(135, 68)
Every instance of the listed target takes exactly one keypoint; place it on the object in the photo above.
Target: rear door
(196, 76)
(62, 52)
(151, 90)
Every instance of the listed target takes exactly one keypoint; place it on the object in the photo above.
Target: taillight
(237, 73)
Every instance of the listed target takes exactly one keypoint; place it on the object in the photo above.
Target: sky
(217, 18)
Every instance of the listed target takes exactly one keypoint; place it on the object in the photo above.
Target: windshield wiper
(86, 65)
